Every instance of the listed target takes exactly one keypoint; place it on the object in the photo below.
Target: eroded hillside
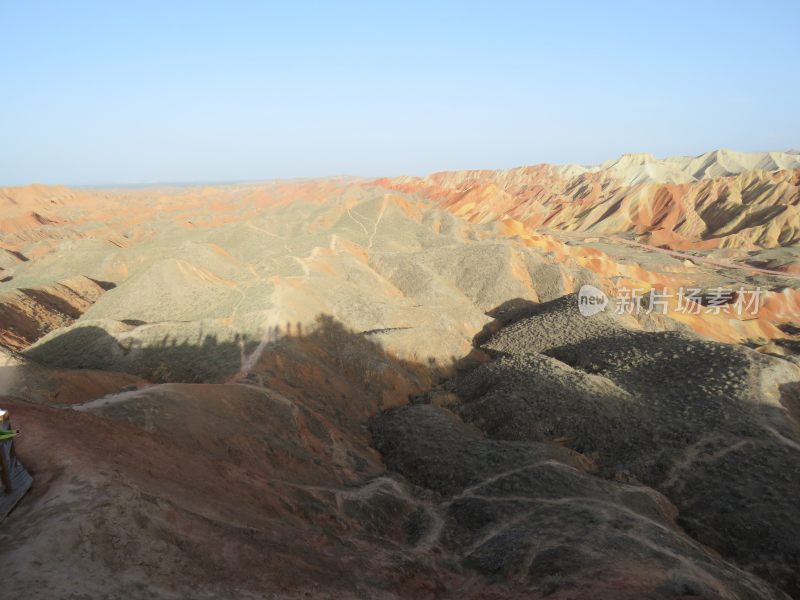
(349, 388)
(721, 199)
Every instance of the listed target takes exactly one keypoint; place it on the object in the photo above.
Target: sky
(168, 92)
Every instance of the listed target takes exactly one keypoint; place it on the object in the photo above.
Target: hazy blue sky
(133, 92)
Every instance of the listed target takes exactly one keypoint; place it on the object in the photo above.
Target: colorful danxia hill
(385, 388)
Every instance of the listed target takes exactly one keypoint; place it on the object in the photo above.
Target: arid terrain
(384, 388)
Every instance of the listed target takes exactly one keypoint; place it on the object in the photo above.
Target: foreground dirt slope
(203, 490)
(272, 486)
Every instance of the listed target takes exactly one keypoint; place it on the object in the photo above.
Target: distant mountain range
(720, 199)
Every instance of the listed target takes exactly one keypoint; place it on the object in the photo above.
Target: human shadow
(215, 358)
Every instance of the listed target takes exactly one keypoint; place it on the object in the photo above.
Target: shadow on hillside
(210, 358)
(505, 314)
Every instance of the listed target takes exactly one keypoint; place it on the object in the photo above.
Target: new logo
(591, 300)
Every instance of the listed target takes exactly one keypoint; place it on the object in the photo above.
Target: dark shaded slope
(702, 422)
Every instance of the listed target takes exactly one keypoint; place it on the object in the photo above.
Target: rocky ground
(698, 437)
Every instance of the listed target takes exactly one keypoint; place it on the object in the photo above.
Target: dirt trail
(713, 262)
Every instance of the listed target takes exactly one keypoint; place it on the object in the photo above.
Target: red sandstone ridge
(720, 199)
(29, 313)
